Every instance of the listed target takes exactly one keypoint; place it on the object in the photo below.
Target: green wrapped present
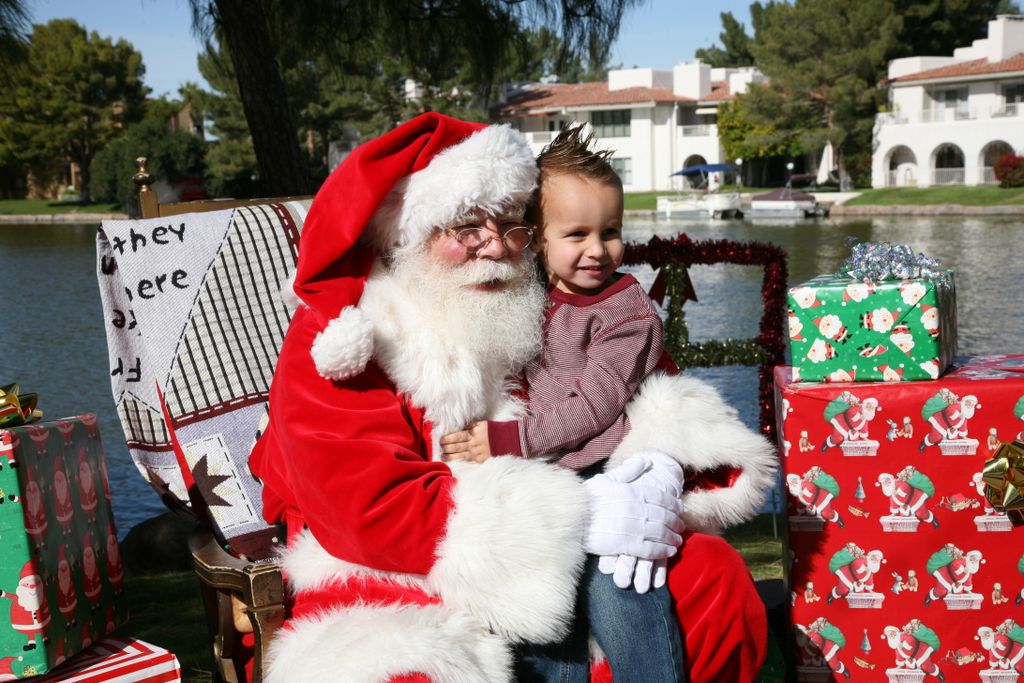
(60, 572)
(844, 330)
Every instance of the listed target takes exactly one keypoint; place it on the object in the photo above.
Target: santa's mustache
(484, 271)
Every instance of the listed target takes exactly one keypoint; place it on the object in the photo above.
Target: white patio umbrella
(827, 163)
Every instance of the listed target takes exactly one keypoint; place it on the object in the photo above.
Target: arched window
(902, 167)
(948, 167)
(989, 154)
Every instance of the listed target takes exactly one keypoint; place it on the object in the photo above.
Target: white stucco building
(951, 117)
(657, 121)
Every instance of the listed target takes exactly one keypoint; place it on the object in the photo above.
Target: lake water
(52, 338)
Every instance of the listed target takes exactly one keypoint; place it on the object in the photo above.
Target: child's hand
(471, 445)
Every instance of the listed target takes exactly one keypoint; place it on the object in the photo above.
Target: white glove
(665, 472)
(629, 516)
(626, 570)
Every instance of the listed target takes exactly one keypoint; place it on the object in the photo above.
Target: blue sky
(659, 34)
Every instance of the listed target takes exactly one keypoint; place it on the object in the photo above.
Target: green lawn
(981, 195)
(760, 544)
(166, 609)
(35, 207)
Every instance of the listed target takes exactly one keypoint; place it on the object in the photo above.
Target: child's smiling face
(581, 236)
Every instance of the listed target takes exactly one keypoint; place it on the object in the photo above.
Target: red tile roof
(976, 67)
(719, 92)
(554, 95)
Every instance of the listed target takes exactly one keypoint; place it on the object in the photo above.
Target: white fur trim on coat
(511, 556)
(513, 552)
(489, 171)
(373, 643)
(687, 419)
(343, 348)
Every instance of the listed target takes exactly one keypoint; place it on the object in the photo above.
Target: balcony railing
(948, 176)
(988, 175)
(896, 178)
(1007, 110)
(702, 131)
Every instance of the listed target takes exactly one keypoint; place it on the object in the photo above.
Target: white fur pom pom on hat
(343, 349)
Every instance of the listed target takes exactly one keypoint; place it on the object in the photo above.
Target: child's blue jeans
(639, 634)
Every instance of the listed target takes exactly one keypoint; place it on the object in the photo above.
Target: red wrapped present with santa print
(61, 575)
(899, 565)
(117, 660)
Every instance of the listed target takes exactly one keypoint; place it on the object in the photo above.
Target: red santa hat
(28, 570)
(392, 191)
(884, 369)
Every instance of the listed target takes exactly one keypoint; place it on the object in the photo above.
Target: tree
(735, 41)
(823, 86)
(937, 27)
(172, 155)
(746, 134)
(73, 93)
(426, 34)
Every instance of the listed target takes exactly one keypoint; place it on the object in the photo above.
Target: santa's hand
(664, 472)
(627, 571)
(631, 517)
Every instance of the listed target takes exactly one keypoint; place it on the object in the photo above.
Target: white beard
(450, 345)
(28, 598)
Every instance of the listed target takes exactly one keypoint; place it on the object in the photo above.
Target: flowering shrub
(1009, 170)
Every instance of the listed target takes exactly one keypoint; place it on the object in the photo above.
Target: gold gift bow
(17, 410)
(1003, 476)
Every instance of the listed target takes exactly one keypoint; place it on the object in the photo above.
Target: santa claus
(1005, 646)
(909, 492)
(67, 596)
(115, 570)
(64, 509)
(914, 646)
(396, 558)
(92, 583)
(953, 571)
(854, 570)
(822, 641)
(850, 418)
(816, 490)
(86, 487)
(30, 613)
(947, 415)
(36, 520)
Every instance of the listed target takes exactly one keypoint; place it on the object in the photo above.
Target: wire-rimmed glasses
(516, 235)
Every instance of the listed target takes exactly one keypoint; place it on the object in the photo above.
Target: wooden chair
(150, 206)
(241, 596)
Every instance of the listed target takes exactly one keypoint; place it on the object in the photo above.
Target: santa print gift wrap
(61, 575)
(844, 330)
(899, 570)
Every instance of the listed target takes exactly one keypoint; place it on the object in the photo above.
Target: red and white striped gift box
(117, 660)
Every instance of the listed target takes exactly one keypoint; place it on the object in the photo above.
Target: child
(602, 338)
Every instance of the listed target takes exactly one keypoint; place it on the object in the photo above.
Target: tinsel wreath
(766, 350)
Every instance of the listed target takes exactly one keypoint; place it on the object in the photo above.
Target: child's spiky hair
(570, 154)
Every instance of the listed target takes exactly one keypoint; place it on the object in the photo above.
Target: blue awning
(706, 168)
